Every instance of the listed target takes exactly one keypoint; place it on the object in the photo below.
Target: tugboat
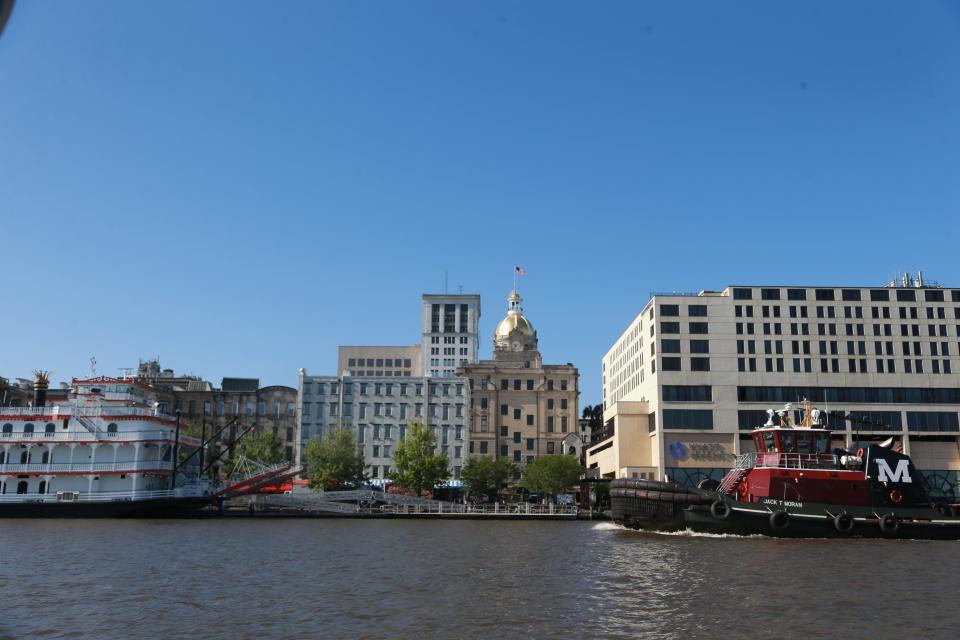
(793, 485)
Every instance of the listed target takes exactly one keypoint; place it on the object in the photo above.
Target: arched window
(3, 457)
(43, 487)
(46, 459)
(28, 428)
(50, 428)
(112, 427)
(22, 487)
(24, 457)
(8, 428)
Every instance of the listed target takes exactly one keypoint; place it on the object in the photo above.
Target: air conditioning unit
(68, 496)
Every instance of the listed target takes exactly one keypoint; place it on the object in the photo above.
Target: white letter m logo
(901, 474)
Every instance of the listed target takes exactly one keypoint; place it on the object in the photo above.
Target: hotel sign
(698, 450)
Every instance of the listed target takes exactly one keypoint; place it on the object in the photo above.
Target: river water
(280, 578)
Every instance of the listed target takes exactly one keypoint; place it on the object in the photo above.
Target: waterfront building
(238, 405)
(379, 411)
(521, 408)
(380, 361)
(450, 333)
(379, 390)
(693, 374)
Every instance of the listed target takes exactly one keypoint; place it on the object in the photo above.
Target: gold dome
(514, 321)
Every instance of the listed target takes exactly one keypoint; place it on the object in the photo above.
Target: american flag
(519, 271)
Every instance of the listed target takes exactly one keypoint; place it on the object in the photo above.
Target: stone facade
(521, 408)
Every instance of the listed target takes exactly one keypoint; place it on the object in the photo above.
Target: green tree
(264, 447)
(487, 474)
(335, 461)
(550, 475)
(416, 465)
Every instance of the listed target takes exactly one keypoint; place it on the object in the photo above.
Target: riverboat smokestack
(41, 382)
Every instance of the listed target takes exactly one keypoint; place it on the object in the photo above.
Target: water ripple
(373, 579)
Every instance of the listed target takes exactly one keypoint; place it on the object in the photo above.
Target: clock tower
(515, 337)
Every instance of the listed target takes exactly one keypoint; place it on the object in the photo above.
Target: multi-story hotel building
(521, 408)
(693, 374)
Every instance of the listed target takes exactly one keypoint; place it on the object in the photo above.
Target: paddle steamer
(105, 451)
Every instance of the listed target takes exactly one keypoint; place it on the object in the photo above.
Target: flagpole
(514, 278)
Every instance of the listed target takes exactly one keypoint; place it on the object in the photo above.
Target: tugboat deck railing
(788, 461)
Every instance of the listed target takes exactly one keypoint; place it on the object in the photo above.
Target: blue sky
(240, 187)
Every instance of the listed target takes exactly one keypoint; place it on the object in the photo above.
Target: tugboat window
(769, 441)
(786, 442)
(804, 443)
(822, 443)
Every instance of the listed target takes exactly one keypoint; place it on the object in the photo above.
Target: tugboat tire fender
(720, 510)
(896, 497)
(779, 520)
(843, 522)
(889, 523)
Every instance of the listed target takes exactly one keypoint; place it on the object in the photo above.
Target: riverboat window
(22, 487)
(28, 428)
(50, 428)
(112, 427)
(43, 487)
(24, 457)
(8, 428)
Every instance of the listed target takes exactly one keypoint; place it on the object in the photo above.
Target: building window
(687, 419)
(769, 294)
(700, 364)
(550, 448)
(698, 327)
(697, 310)
(668, 345)
(669, 327)
(669, 310)
(742, 294)
(687, 393)
(670, 364)
(699, 346)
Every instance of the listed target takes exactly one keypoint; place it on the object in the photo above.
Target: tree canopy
(417, 466)
(265, 447)
(487, 474)
(551, 475)
(335, 461)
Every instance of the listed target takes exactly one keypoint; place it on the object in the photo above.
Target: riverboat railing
(86, 467)
(97, 496)
(100, 436)
(66, 411)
